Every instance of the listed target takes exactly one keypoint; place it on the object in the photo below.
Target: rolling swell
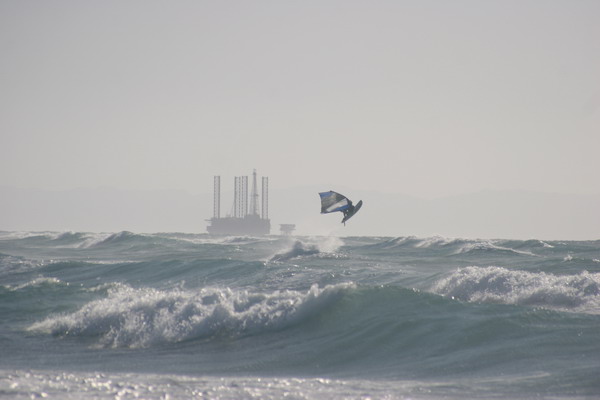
(191, 272)
(338, 330)
(40, 297)
(449, 246)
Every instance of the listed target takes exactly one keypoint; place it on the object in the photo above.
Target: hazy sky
(428, 98)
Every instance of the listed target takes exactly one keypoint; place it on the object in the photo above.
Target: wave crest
(579, 292)
(136, 318)
(321, 246)
(298, 249)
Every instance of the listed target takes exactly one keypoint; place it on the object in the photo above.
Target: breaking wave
(322, 246)
(137, 318)
(580, 293)
(297, 250)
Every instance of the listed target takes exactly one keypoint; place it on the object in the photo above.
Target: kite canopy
(332, 202)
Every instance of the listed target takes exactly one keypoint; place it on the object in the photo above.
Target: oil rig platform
(246, 219)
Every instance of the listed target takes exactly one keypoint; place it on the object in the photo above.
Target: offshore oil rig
(245, 218)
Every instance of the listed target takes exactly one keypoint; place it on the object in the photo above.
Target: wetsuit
(348, 211)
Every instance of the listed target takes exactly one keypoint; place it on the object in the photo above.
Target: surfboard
(350, 215)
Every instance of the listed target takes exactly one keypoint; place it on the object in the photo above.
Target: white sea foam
(580, 293)
(131, 317)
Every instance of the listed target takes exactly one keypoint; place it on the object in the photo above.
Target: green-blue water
(87, 315)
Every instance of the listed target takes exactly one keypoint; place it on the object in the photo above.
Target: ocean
(182, 316)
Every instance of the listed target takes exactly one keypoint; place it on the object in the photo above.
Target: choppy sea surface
(180, 316)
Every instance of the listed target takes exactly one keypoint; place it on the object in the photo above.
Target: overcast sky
(427, 98)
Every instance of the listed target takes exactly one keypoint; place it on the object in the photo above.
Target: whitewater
(177, 316)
